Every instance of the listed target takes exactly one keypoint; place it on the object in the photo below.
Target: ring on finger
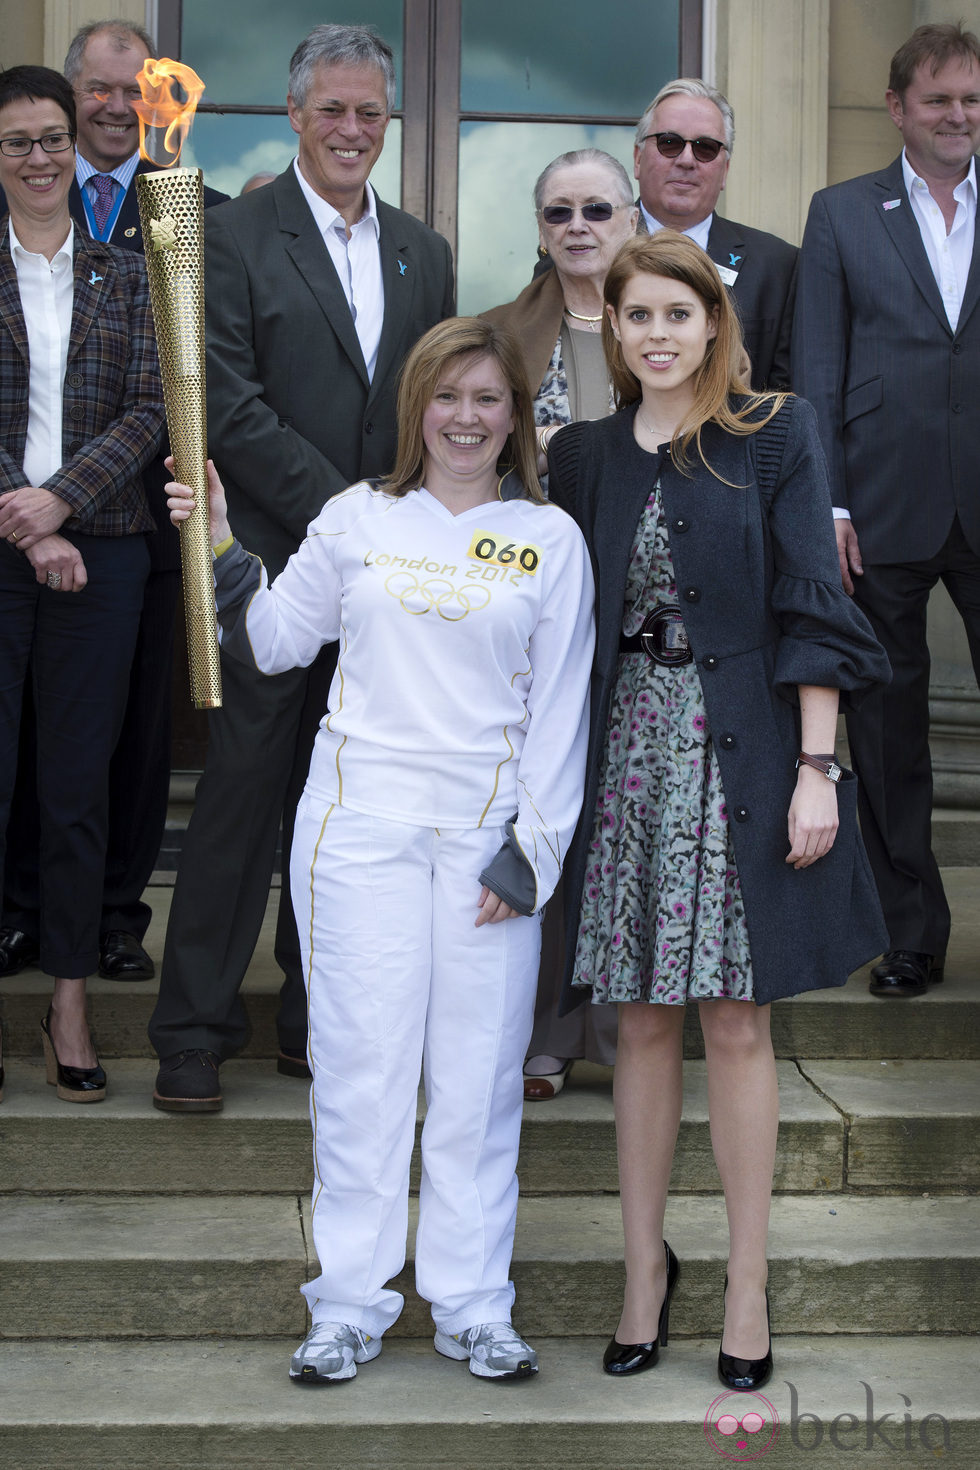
(13, 537)
(54, 579)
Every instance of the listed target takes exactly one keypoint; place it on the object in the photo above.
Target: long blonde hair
(443, 346)
(719, 378)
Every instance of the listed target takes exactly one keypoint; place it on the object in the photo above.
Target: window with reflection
(488, 94)
(574, 58)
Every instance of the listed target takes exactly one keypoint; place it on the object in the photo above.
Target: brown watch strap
(827, 765)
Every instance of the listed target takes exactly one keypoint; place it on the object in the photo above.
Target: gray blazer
(764, 611)
(292, 417)
(764, 291)
(896, 391)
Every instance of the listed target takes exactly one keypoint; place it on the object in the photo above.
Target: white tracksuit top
(465, 648)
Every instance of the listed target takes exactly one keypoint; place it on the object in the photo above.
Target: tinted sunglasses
(560, 214)
(672, 145)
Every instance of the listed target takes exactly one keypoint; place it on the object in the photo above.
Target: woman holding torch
(445, 784)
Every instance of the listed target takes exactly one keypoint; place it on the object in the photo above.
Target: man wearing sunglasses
(681, 156)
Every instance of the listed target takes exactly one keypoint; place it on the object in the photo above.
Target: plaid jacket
(112, 401)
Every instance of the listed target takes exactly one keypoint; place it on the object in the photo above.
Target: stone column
(772, 65)
(62, 18)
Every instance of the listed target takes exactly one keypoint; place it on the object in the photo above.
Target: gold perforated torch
(171, 206)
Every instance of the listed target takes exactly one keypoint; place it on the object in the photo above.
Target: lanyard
(89, 208)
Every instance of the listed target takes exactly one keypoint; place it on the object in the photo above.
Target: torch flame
(161, 108)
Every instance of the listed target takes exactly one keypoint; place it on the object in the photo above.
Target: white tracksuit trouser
(401, 981)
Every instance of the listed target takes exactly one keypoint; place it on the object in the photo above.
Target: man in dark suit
(679, 188)
(101, 65)
(887, 348)
(315, 292)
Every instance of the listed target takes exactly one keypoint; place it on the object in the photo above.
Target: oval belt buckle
(664, 637)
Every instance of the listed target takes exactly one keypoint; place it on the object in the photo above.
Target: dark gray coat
(765, 612)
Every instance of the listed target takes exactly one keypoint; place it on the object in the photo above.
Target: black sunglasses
(672, 145)
(560, 214)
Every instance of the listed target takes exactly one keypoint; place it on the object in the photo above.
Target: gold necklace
(580, 318)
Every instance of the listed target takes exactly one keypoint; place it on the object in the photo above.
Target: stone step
(845, 1024)
(229, 1406)
(232, 1266)
(902, 1127)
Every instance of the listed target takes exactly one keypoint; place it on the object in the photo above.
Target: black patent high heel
(633, 1357)
(74, 1084)
(745, 1375)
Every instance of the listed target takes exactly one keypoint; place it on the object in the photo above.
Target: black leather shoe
(187, 1082)
(905, 972)
(17, 951)
(74, 1084)
(122, 957)
(292, 1063)
(746, 1375)
(633, 1357)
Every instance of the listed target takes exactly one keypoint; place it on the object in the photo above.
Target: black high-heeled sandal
(74, 1084)
(633, 1357)
(746, 1375)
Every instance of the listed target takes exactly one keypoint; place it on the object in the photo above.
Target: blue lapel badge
(891, 203)
(93, 278)
(402, 267)
(733, 259)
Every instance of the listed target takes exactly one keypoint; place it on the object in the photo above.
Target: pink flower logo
(742, 1427)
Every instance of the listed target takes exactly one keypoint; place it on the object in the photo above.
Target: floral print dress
(662, 913)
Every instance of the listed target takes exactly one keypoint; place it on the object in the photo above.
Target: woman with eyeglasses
(584, 206)
(717, 860)
(82, 416)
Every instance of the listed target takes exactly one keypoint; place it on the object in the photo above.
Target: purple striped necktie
(105, 193)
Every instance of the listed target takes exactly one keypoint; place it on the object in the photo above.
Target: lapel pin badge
(733, 259)
(130, 232)
(402, 267)
(891, 203)
(93, 278)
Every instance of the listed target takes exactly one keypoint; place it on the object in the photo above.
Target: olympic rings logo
(452, 603)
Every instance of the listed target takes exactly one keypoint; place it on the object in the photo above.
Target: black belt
(663, 638)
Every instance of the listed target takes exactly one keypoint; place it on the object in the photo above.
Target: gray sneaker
(494, 1349)
(331, 1352)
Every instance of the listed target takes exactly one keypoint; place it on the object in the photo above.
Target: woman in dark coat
(717, 857)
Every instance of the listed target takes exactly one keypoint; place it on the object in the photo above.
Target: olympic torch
(171, 206)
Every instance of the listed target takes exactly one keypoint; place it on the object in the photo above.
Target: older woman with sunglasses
(585, 211)
(584, 206)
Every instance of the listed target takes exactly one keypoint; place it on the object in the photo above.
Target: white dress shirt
(46, 294)
(949, 254)
(357, 261)
(698, 233)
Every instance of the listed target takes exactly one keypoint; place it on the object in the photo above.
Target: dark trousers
(76, 650)
(889, 739)
(259, 748)
(139, 783)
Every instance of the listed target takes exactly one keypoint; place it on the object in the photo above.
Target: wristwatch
(827, 765)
